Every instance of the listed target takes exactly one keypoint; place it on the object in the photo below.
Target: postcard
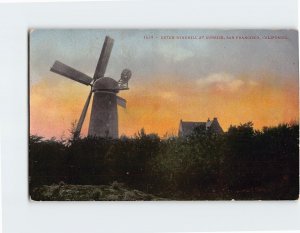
(163, 114)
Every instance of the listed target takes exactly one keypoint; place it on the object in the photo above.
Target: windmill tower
(104, 114)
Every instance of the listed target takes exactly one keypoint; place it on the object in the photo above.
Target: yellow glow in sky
(160, 103)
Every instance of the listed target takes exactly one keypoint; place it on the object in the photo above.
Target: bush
(243, 163)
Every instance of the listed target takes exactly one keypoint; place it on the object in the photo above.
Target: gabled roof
(208, 123)
(187, 127)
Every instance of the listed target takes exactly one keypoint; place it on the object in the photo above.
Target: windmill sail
(121, 101)
(67, 71)
(83, 114)
(104, 57)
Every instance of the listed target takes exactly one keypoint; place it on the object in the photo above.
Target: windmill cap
(105, 84)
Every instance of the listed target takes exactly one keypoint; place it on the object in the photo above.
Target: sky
(234, 75)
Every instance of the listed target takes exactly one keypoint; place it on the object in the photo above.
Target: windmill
(104, 114)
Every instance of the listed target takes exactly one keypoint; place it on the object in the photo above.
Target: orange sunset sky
(237, 80)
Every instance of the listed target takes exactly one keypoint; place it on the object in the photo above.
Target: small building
(187, 127)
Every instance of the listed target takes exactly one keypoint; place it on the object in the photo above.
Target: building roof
(187, 127)
(208, 123)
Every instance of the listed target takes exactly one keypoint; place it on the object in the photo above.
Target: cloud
(175, 53)
(221, 82)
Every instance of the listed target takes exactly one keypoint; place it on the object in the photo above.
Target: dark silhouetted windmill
(104, 114)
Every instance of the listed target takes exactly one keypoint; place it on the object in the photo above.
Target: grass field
(65, 192)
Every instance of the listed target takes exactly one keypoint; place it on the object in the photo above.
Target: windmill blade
(104, 57)
(122, 102)
(83, 114)
(69, 72)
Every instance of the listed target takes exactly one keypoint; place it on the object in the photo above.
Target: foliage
(242, 163)
(113, 192)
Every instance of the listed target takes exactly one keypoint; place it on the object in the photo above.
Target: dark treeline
(242, 163)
